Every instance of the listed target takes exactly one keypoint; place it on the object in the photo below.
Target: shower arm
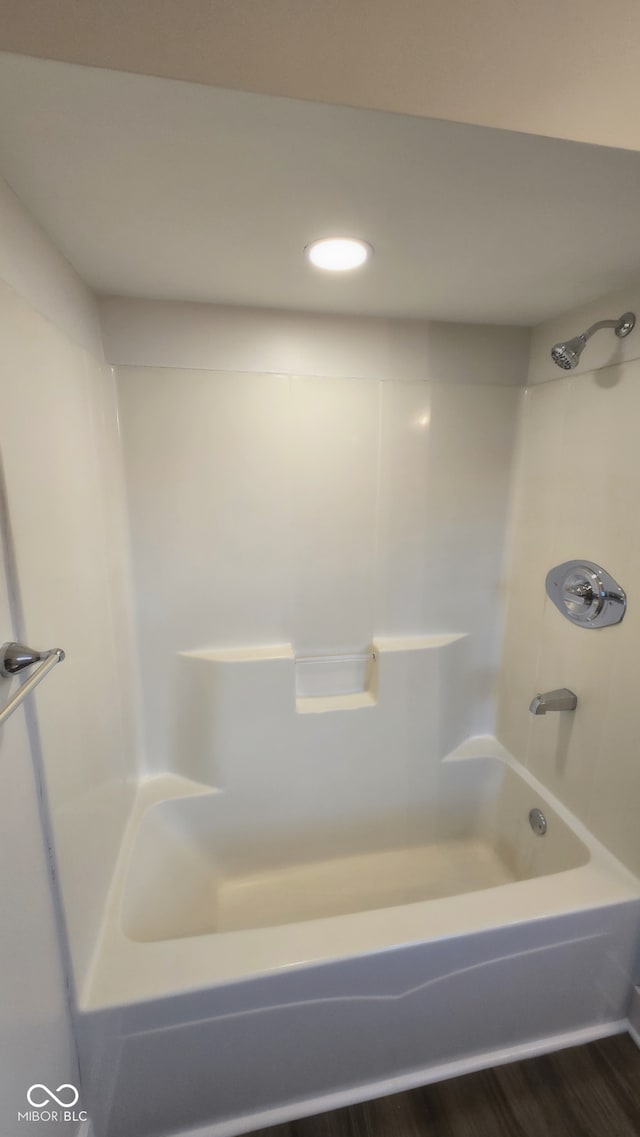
(596, 328)
(567, 353)
(621, 326)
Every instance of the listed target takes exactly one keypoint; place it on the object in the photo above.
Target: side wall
(65, 536)
(312, 480)
(576, 494)
(36, 1041)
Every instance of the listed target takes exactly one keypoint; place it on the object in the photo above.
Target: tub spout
(562, 700)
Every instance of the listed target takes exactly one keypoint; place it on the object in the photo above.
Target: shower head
(567, 355)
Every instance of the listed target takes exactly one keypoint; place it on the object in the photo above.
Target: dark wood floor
(588, 1091)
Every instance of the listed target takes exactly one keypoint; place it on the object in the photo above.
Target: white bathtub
(193, 869)
(242, 981)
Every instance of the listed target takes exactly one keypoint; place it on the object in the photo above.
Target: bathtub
(238, 983)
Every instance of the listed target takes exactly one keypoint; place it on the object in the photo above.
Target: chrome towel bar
(14, 658)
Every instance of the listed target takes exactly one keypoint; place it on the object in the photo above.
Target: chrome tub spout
(561, 700)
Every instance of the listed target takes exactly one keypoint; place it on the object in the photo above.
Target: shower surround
(296, 488)
(326, 851)
(312, 481)
(581, 423)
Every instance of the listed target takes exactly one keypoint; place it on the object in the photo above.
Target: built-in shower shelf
(417, 643)
(319, 704)
(219, 688)
(229, 700)
(263, 653)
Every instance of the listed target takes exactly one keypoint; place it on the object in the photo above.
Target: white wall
(36, 1043)
(156, 333)
(274, 499)
(576, 495)
(35, 269)
(62, 469)
(563, 70)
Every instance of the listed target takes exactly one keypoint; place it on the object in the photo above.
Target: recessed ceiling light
(338, 254)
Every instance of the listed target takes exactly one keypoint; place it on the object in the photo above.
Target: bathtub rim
(125, 971)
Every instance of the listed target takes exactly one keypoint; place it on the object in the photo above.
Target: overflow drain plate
(538, 822)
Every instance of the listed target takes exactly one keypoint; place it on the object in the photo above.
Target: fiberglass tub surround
(274, 906)
(179, 1001)
(317, 816)
(307, 874)
(411, 828)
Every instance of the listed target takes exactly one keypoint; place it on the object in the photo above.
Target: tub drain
(538, 822)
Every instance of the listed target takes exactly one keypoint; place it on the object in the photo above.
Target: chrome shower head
(567, 355)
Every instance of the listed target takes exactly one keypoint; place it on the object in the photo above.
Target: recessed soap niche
(326, 682)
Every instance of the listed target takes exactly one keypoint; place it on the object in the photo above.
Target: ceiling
(169, 190)
(552, 67)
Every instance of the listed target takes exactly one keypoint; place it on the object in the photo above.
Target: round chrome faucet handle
(586, 594)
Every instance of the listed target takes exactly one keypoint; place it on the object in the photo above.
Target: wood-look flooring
(587, 1091)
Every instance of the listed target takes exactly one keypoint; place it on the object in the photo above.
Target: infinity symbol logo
(52, 1096)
